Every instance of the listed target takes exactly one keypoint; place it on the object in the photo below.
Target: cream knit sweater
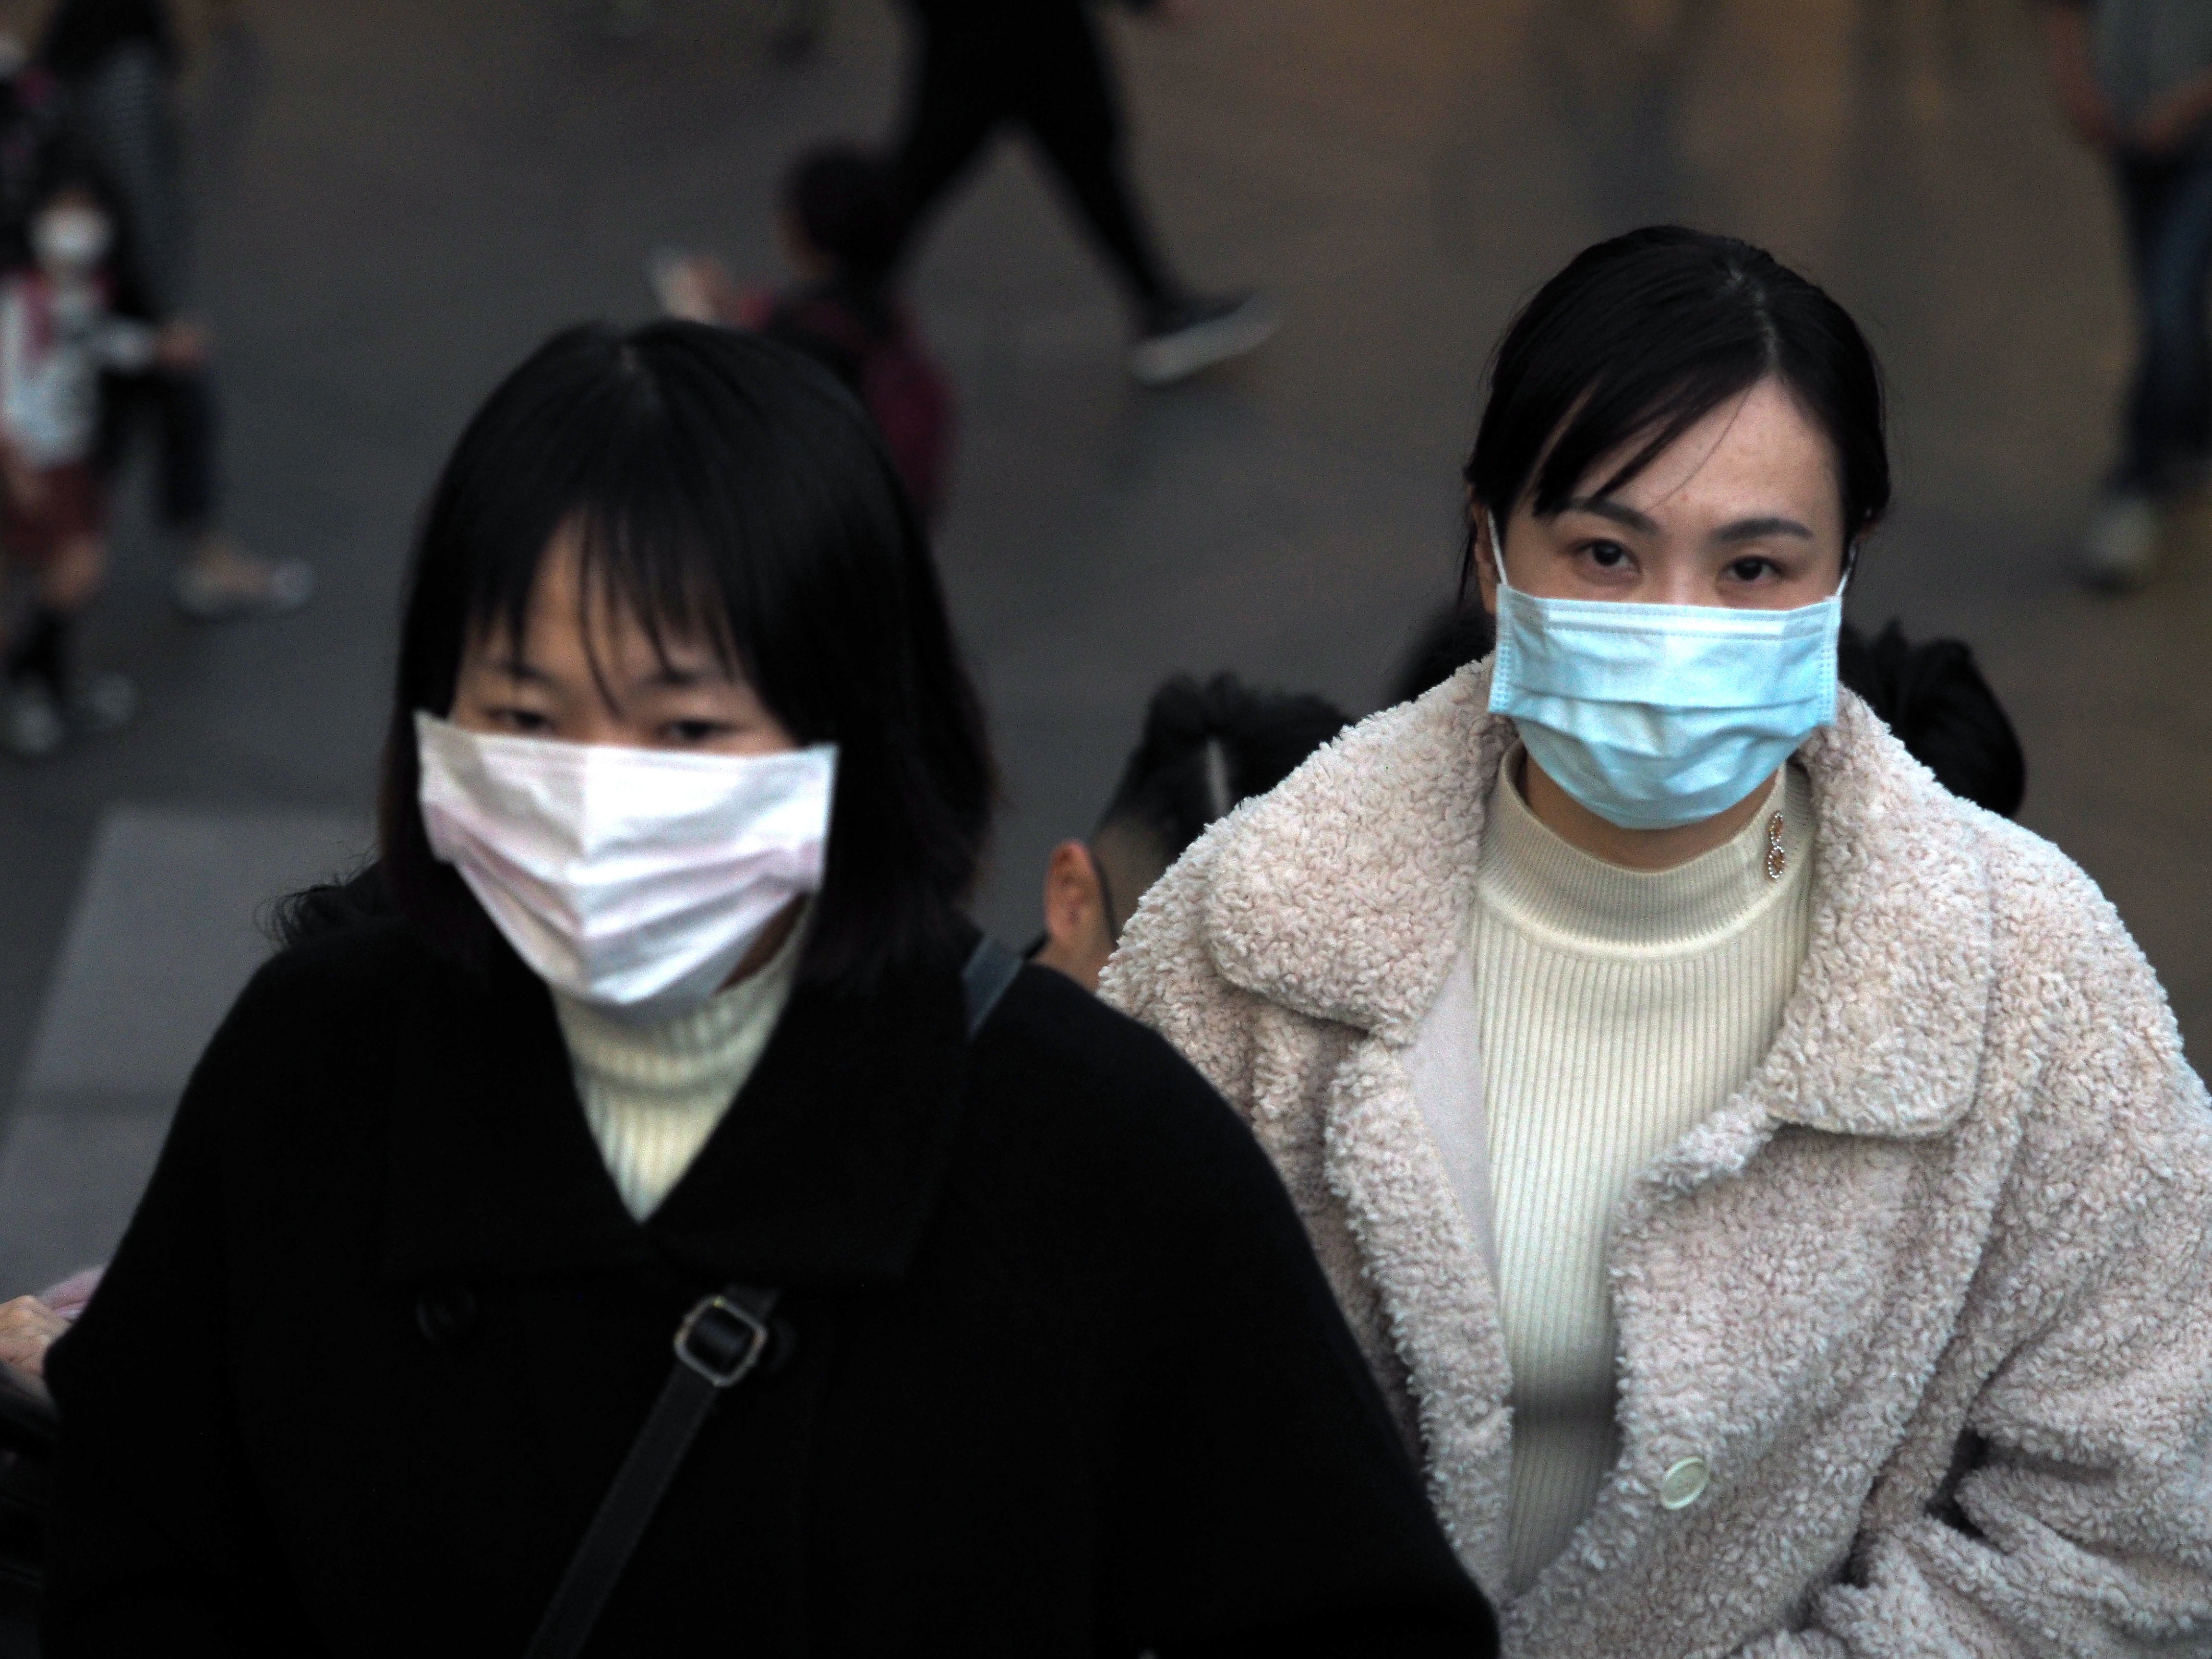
(653, 1094)
(1619, 1009)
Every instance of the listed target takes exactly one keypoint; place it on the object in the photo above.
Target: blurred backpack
(875, 350)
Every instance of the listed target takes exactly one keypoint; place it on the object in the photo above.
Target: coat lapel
(1346, 897)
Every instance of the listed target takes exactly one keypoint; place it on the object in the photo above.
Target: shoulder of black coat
(1057, 1070)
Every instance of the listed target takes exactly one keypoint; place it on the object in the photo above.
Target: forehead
(1760, 444)
(575, 621)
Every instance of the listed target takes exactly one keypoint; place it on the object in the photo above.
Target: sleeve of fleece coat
(2088, 1510)
(157, 1541)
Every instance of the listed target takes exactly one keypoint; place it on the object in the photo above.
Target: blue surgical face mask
(1654, 716)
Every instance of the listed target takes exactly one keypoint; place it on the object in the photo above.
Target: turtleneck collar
(1530, 876)
(670, 1061)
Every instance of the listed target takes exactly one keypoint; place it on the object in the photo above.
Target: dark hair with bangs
(1641, 337)
(727, 490)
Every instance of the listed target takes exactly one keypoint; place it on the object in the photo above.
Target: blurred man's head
(1204, 749)
(840, 214)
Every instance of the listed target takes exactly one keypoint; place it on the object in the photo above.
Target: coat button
(447, 1314)
(1683, 1484)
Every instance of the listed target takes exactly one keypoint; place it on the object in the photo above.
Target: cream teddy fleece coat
(1930, 1296)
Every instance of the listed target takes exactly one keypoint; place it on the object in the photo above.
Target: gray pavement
(402, 198)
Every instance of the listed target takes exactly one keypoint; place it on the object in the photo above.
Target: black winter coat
(1062, 1376)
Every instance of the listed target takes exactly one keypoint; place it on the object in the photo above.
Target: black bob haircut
(1641, 337)
(1206, 747)
(726, 490)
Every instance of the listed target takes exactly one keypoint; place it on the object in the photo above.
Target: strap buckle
(721, 1341)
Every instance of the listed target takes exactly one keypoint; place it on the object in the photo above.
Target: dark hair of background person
(1206, 747)
(81, 32)
(729, 490)
(1934, 698)
(1641, 337)
(1452, 638)
(845, 202)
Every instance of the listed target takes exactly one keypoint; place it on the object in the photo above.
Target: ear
(1486, 557)
(1074, 909)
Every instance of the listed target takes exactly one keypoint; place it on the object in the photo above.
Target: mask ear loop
(1497, 550)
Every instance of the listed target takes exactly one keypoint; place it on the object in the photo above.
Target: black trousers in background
(180, 404)
(1036, 65)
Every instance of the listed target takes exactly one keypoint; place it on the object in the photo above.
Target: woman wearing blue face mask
(1770, 1188)
(636, 1217)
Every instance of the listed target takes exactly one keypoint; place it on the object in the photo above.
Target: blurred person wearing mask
(981, 65)
(1769, 1188)
(57, 339)
(118, 60)
(2134, 77)
(660, 998)
(1205, 750)
(837, 221)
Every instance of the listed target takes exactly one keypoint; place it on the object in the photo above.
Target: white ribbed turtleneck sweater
(1619, 1009)
(653, 1094)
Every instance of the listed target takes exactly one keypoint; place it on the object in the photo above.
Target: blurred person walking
(1770, 1189)
(1205, 750)
(57, 339)
(118, 60)
(659, 1014)
(980, 66)
(2135, 79)
(837, 223)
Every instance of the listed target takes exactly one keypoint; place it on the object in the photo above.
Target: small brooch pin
(1777, 860)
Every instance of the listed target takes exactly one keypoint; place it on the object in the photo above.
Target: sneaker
(2119, 554)
(30, 725)
(104, 702)
(1199, 333)
(235, 585)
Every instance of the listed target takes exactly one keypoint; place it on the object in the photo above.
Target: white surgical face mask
(70, 240)
(635, 880)
(1654, 716)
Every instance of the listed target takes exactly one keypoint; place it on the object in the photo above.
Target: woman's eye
(528, 721)
(1752, 570)
(696, 731)
(1606, 555)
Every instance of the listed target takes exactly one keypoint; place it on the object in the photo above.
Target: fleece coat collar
(1322, 882)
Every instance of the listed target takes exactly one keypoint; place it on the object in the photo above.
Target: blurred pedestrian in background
(981, 65)
(1204, 749)
(837, 224)
(1772, 1191)
(117, 61)
(2135, 79)
(660, 998)
(57, 339)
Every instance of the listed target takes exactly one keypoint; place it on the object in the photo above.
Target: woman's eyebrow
(679, 676)
(516, 668)
(1604, 508)
(1757, 530)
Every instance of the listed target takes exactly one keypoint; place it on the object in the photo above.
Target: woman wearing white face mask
(658, 1022)
(1770, 1188)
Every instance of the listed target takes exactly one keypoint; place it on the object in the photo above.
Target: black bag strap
(718, 1345)
(720, 1342)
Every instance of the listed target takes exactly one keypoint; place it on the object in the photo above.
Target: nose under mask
(1655, 716)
